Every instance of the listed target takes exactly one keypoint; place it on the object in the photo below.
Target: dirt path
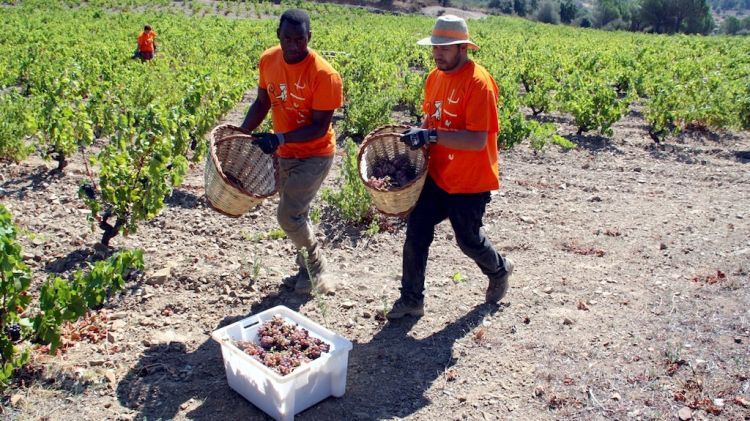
(615, 312)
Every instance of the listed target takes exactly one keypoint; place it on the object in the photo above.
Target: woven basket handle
(244, 137)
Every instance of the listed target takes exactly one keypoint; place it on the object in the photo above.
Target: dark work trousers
(465, 212)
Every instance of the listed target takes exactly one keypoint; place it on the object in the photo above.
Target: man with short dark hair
(147, 43)
(302, 90)
(460, 129)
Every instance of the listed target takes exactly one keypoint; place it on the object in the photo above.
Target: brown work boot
(323, 282)
(299, 282)
(403, 307)
(314, 276)
(499, 286)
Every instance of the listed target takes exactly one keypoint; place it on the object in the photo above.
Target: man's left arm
(466, 140)
(321, 122)
(473, 138)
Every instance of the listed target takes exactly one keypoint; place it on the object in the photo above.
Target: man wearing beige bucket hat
(302, 91)
(460, 129)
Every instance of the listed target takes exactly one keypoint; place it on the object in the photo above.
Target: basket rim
(397, 214)
(221, 211)
(385, 126)
(421, 173)
(220, 172)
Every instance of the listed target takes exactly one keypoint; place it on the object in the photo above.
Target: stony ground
(629, 301)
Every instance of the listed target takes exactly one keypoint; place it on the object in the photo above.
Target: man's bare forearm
(305, 133)
(255, 116)
(462, 139)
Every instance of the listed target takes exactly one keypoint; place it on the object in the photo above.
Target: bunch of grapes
(13, 332)
(389, 173)
(283, 346)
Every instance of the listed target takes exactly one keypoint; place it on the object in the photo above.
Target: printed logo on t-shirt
(282, 96)
(452, 98)
(437, 115)
(297, 84)
(272, 91)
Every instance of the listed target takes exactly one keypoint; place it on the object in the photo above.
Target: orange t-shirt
(466, 100)
(295, 91)
(146, 42)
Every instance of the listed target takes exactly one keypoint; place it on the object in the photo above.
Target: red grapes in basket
(283, 346)
(390, 173)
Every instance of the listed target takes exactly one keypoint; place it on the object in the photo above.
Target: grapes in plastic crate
(279, 396)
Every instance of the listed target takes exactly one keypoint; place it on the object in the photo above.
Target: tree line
(654, 16)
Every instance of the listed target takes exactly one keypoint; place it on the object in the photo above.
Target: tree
(670, 16)
(731, 25)
(584, 21)
(568, 11)
(504, 6)
(612, 11)
(548, 13)
(519, 7)
(654, 15)
(692, 16)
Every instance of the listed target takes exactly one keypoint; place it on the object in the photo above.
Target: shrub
(17, 122)
(351, 200)
(60, 300)
(15, 278)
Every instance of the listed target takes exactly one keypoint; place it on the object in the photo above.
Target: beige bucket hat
(449, 30)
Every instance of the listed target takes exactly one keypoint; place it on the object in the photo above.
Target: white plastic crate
(283, 396)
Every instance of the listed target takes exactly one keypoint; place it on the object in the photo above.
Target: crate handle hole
(252, 324)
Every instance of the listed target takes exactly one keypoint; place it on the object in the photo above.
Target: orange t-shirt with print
(295, 91)
(465, 100)
(146, 42)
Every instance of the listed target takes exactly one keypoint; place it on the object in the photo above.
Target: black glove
(417, 137)
(267, 142)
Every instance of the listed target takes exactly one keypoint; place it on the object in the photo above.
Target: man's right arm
(257, 112)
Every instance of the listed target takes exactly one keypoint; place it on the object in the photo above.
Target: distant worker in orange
(147, 43)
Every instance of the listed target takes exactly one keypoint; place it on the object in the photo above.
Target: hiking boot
(303, 285)
(313, 276)
(403, 308)
(299, 282)
(499, 286)
(324, 283)
(291, 280)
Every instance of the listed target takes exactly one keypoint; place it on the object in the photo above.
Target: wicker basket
(238, 175)
(384, 142)
(395, 129)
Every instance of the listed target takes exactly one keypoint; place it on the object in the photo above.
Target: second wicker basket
(384, 142)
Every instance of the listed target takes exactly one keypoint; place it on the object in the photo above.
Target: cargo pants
(465, 213)
(300, 180)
